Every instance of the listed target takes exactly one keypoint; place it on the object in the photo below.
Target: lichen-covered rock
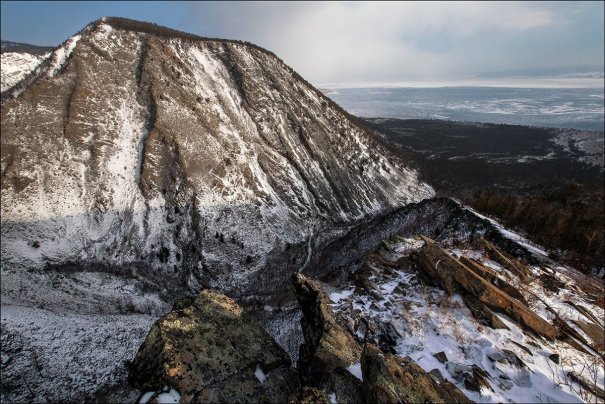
(309, 395)
(328, 349)
(391, 379)
(213, 351)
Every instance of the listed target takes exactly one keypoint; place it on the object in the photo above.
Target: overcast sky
(329, 42)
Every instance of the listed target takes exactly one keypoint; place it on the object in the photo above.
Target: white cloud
(372, 41)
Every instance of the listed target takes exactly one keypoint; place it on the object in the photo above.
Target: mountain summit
(202, 161)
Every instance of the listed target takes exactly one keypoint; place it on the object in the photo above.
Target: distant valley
(547, 182)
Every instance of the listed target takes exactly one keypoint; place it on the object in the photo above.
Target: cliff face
(203, 161)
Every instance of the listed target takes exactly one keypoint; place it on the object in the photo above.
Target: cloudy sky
(330, 42)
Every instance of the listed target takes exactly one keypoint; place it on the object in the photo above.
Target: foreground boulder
(212, 351)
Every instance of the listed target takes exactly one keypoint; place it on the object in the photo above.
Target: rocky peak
(202, 161)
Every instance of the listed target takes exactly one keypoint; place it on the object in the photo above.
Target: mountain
(167, 201)
(141, 164)
(202, 161)
(19, 47)
(19, 60)
(18, 65)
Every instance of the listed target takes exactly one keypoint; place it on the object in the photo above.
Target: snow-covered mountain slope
(15, 66)
(499, 329)
(207, 162)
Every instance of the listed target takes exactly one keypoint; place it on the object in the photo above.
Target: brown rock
(507, 356)
(309, 395)
(482, 313)
(213, 351)
(391, 379)
(506, 261)
(589, 385)
(492, 277)
(328, 348)
(441, 356)
(550, 282)
(454, 275)
(595, 332)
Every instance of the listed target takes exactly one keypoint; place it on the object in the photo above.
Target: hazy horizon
(360, 43)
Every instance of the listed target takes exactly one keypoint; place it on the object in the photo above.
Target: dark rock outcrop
(328, 349)
(390, 379)
(213, 351)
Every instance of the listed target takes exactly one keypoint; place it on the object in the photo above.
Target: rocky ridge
(209, 350)
(426, 321)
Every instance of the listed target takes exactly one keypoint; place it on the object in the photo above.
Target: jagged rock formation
(387, 340)
(211, 351)
(481, 308)
(208, 350)
(328, 349)
(201, 160)
(333, 360)
(391, 379)
(455, 276)
(486, 290)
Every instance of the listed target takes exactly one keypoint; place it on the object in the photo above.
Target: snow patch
(170, 397)
(260, 375)
(146, 397)
(62, 54)
(355, 370)
(16, 66)
(338, 296)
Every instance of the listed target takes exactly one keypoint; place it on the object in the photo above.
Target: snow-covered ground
(15, 66)
(67, 356)
(422, 320)
(68, 336)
